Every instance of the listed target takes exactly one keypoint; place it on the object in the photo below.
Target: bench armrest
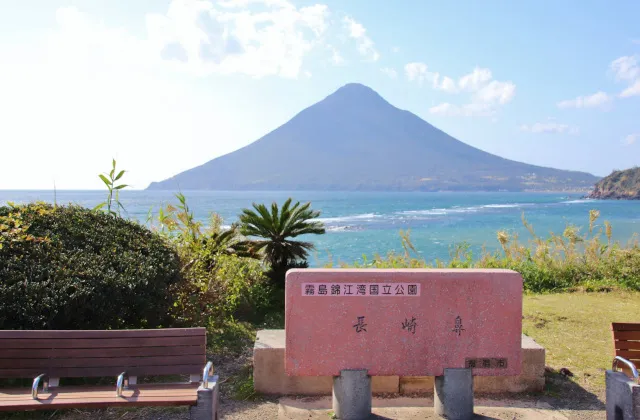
(630, 365)
(207, 373)
(36, 382)
(122, 383)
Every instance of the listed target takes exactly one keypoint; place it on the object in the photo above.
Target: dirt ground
(565, 399)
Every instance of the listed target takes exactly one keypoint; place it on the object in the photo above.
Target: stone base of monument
(269, 376)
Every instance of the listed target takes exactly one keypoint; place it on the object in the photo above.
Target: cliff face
(620, 185)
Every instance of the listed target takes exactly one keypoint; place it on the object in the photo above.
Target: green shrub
(235, 288)
(72, 268)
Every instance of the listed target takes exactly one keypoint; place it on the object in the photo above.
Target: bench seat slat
(151, 388)
(98, 397)
(101, 352)
(119, 362)
(104, 371)
(66, 334)
(105, 342)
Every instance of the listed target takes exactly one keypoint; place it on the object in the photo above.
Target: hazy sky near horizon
(164, 86)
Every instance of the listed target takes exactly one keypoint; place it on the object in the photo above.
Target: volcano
(355, 140)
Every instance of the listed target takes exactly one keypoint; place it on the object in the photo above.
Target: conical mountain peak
(355, 140)
(356, 92)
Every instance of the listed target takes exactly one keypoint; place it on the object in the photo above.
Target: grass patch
(242, 385)
(575, 330)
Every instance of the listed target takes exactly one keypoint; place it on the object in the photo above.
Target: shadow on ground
(564, 393)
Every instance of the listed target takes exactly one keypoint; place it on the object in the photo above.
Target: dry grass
(575, 329)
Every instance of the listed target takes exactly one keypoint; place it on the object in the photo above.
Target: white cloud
(633, 90)
(474, 80)
(626, 68)
(198, 37)
(550, 128)
(495, 93)
(486, 95)
(447, 84)
(418, 72)
(392, 73)
(336, 57)
(358, 32)
(598, 99)
(631, 139)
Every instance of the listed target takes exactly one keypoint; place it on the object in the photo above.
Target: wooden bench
(124, 355)
(626, 346)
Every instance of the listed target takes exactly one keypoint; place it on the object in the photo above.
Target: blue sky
(167, 85)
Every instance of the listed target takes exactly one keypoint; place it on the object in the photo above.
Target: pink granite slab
(414, 323)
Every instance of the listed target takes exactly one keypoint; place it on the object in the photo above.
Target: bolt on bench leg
(206, 407)
(453, 396)
(352, 395)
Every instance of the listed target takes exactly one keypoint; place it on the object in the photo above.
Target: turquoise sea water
(365, 223)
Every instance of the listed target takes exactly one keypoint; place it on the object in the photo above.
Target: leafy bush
(235, 287)
(565, 262)
(73, 268)
(222, 283)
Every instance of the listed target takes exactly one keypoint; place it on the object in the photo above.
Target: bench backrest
(403, 322)
(626, 341)
(95, 353)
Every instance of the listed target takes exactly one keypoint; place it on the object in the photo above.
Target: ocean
(365, 223)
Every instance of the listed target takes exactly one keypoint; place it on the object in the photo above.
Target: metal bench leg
(206, 407)
(623, 397)
(453, 396)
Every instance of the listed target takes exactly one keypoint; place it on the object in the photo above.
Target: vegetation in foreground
(73, 268)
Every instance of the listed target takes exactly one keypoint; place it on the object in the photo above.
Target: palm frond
(269, 231)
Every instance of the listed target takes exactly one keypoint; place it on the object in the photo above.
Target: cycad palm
(275, 227)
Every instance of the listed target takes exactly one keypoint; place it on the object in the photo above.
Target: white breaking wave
(351, 222)
(342, 219)
(471, 209)
(341, 228)
(424, 212)
(504, 206)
